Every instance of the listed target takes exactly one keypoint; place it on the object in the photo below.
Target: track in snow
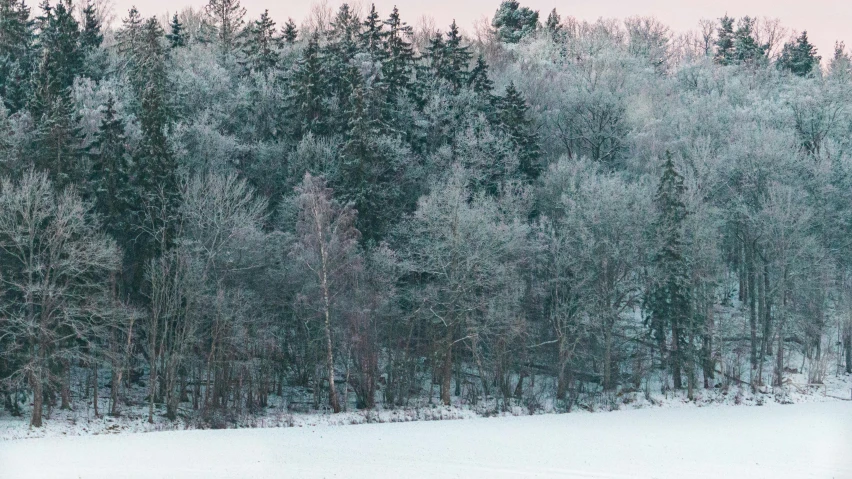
(774, 442)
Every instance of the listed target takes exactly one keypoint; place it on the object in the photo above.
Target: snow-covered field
(774, 441)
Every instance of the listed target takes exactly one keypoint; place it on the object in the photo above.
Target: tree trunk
(447, 367)
(95, 388)
(65, 389)
(709, 369)
(848, 343)
(38, 399)
(607, 366)
(333, 400)
(677, 381)
(752, 308)
(152, 389)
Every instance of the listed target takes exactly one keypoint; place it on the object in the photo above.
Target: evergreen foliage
(799, 57)
(512, 22)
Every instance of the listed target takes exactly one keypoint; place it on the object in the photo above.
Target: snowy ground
(775, 441)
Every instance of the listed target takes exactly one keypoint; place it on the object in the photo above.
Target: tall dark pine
(339, 52)
(553, 24)
(399, 55)
(128, 39)
(16, 53)
(61, 56)
(176, 35)
(260, 51)
(457, 57)
(306, 101)
(91, 38)
(746, 48)
(725, 50)
(365, 175)
(228, 18)
(155, 173)
(668, 302)
(799, 57)
(290, 32)
(478, 78)
(109, 179)
(512, 22)
(372, 34)
(514, 121)
(56, 146)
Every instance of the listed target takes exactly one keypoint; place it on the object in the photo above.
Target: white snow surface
(811, 440)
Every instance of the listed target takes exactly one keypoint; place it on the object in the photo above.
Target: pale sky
(825, 20)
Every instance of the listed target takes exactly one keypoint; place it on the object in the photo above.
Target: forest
(357, 212)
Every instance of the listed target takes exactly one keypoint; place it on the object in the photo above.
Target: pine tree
(799, 57)
(156, 169)
(62, 58)
(128, 40)
(228, 18)
(16, 53)
(478, 79)
(457, 57)
(399, 55)
(91, 38)
(359, 184)
(343, 40)
(725, 49)
(512, 22)
(261, 53)
(109, 179)
(746, 48)
(553, 25)
(372, 35)
(57, 142)
(176, 35)
(51, 105)
(307, 90)
(512, 114)
(345, 32)
(289, 32)
(669, 301)
(841, 63)
(436, 55)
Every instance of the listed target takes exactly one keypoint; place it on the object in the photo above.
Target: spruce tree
(514, 121)
(59, 39)
(228, 18)
(799, 57)
(669, 301)
(553, 25)
(725, 50)
(372, 34)
(16, 53)
(478, 79)
(306, 101)
(155, 173)
(746, 48)
(91, 38)
(398, 53)
(290, 32)
(512, 22)
(338, 54)
(841, 63)
(57, 145)
(261, 54)
(109, 183)
(457, 57)
(128, 41)
(176, 35)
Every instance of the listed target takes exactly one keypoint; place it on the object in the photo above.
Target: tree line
(219, 210)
